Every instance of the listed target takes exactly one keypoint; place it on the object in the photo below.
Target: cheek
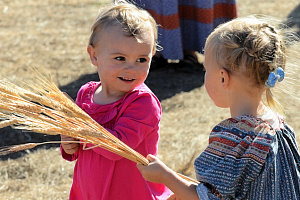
(144, 70)
(206, 81)
(208, 89)
(143, 75)
(209, 85)
(106, 71)
(205, 75)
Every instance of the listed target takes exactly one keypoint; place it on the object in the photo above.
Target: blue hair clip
(280, 73)
(274, 76)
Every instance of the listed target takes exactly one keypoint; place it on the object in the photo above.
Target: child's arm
(158, 172)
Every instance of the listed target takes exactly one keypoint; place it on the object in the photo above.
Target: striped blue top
(248, 158)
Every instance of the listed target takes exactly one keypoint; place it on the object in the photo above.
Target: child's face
(122, 62)
(214, 80)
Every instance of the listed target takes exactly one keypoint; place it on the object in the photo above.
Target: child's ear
(225, 78)
(92, 52)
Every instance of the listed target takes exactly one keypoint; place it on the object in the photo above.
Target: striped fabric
(247, 159)
(185, 24)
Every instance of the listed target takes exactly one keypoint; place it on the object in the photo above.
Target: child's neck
(249, 108)
(102, 97)
(244, 97)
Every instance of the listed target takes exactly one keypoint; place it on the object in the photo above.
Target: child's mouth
(126, 79)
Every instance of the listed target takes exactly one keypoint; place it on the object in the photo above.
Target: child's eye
(120, 58)
(141, 60)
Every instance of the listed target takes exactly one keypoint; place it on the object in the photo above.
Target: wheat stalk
(43, 108)
(21, 147)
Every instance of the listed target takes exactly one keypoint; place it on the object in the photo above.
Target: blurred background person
(185, 24)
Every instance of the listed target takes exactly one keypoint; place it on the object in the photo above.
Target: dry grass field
(52, 35)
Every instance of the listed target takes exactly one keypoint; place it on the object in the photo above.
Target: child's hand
(155, 171)
(158, 172)
(69, 148)
(172, 197)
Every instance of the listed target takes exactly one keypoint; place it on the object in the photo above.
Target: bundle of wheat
(43, 108)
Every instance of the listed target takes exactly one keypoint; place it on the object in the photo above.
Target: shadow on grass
(294, 19)
(165, 81)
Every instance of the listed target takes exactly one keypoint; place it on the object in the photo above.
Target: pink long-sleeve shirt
(102, 175)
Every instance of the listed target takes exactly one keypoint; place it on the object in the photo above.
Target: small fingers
(151, 157)
(64, 138)
(71, 148)
(139, 166)
(72, 145)
(171, 197)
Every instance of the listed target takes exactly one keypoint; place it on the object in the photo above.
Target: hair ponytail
(273, 103)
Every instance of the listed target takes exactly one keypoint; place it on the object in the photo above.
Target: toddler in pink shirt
(121, 46)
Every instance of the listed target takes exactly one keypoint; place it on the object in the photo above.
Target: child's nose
(130, 67)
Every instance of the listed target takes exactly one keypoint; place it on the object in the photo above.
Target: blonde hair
(252, 46)
(134, 21)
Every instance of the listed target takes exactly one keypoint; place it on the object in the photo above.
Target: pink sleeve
(140, 118)
(80, 93)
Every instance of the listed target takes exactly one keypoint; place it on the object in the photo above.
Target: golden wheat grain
(7, 123)
(45, 109)
(21, 147)
(7, 88)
